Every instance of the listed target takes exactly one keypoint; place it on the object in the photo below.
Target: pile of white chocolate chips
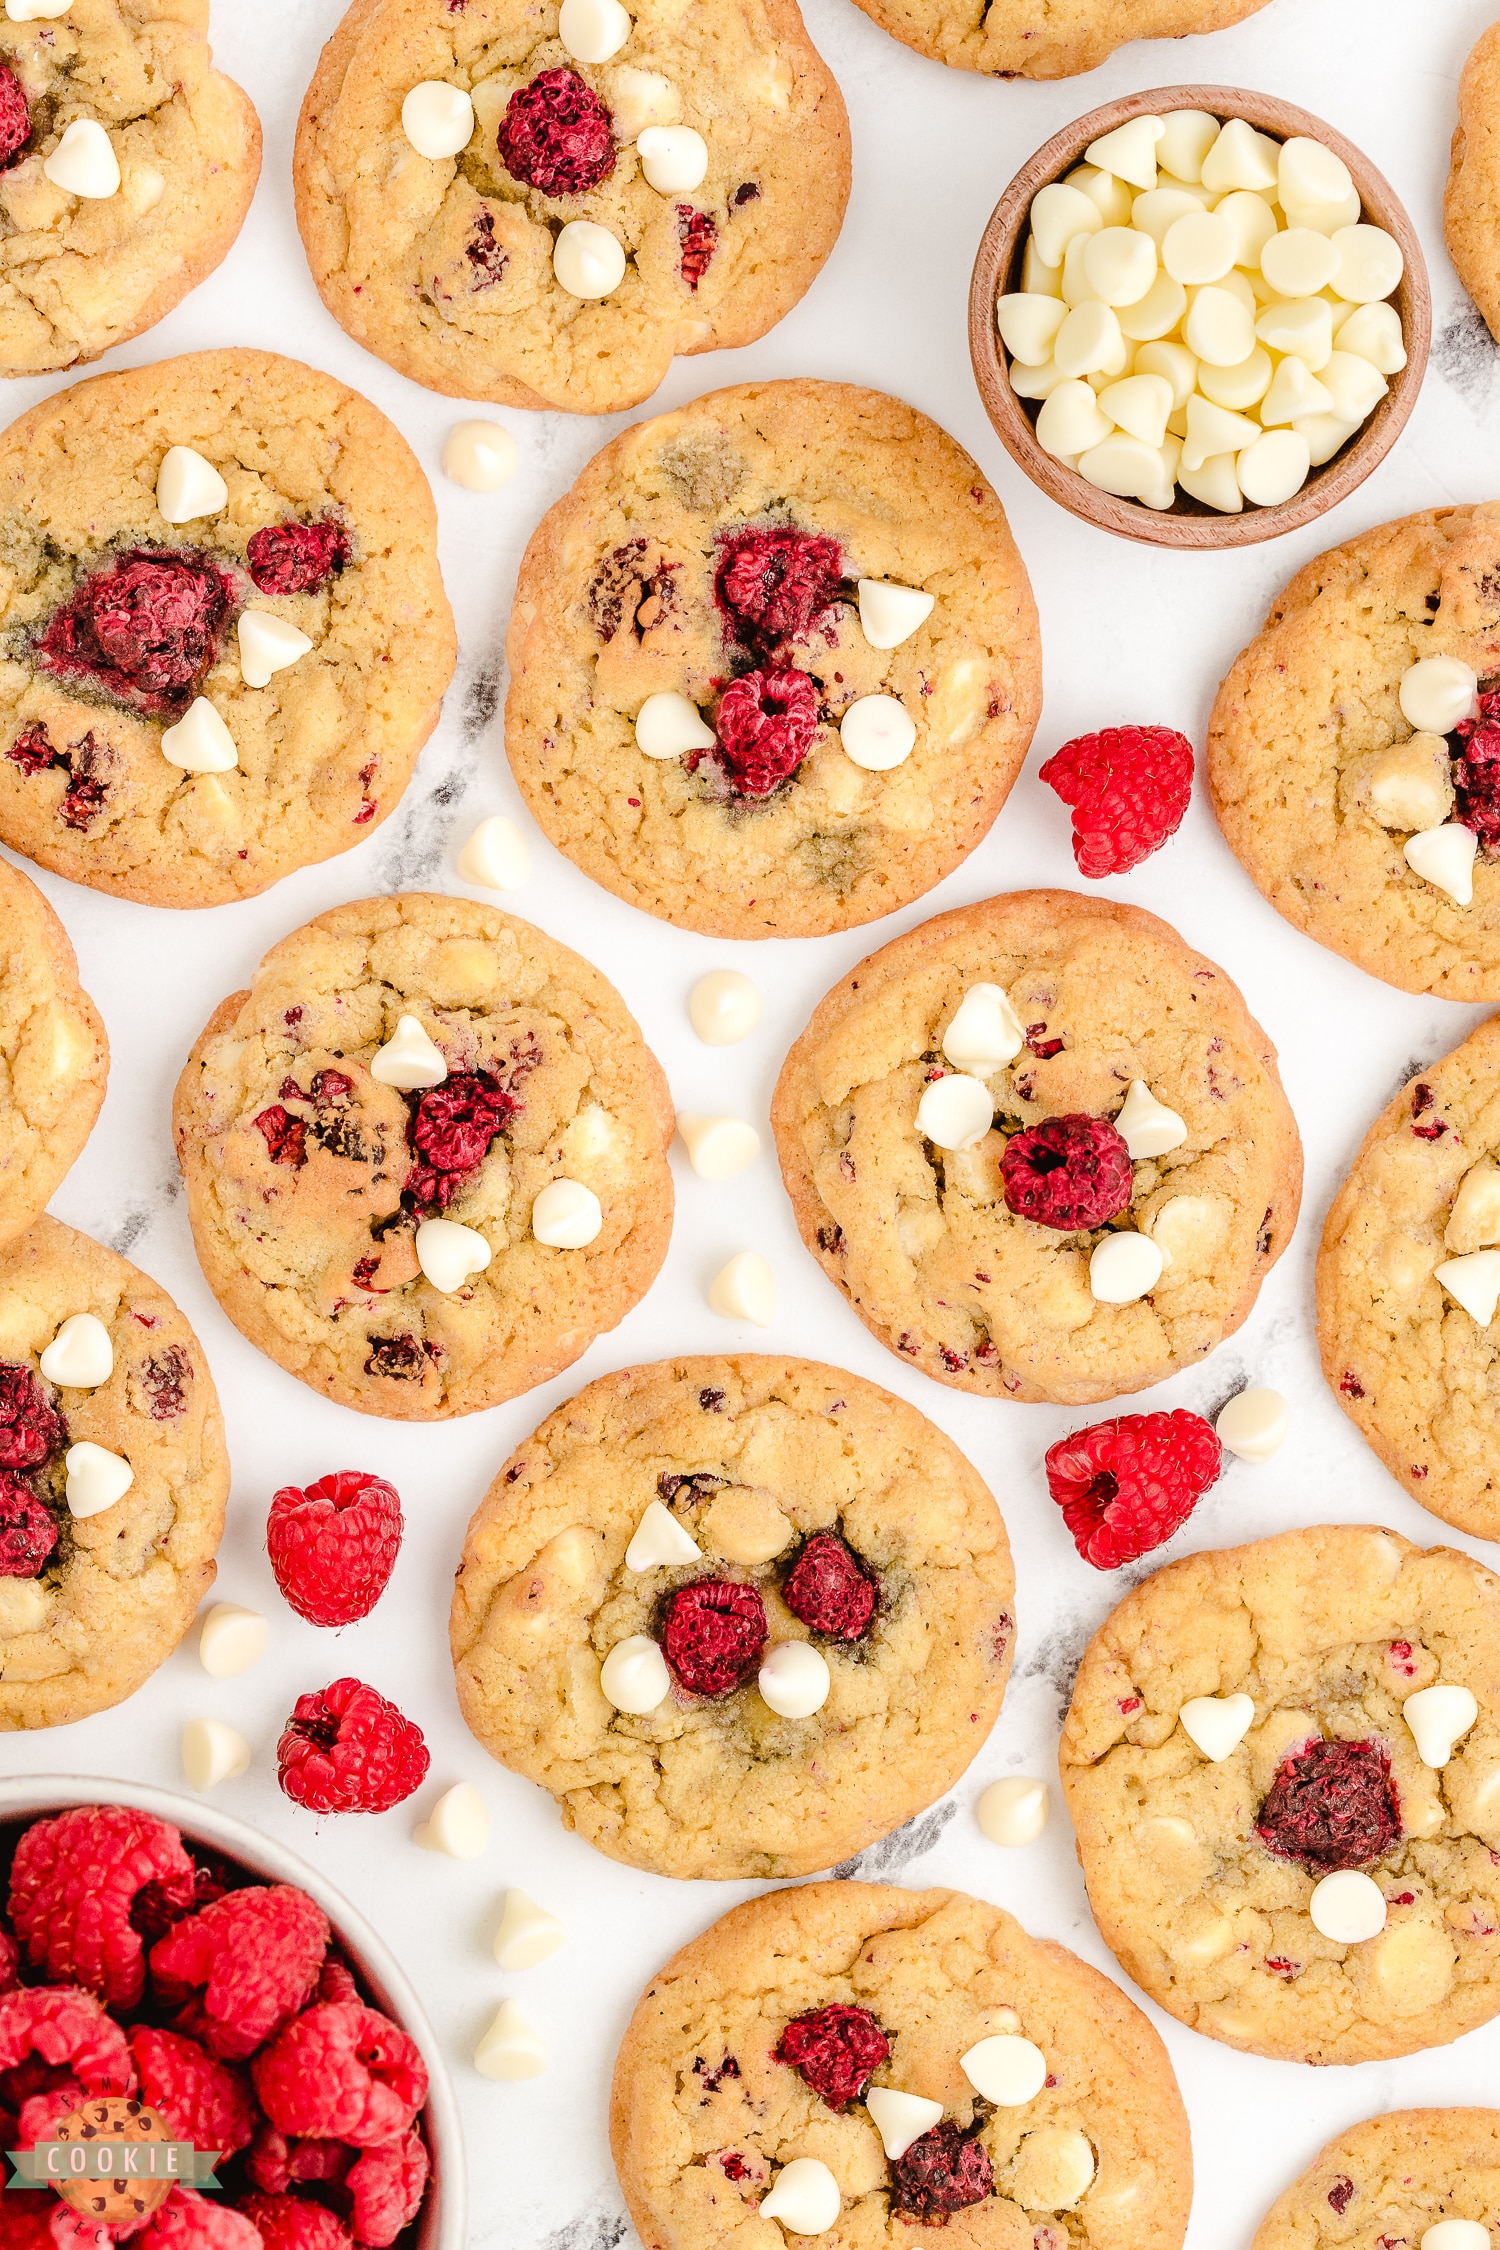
(1202, 306)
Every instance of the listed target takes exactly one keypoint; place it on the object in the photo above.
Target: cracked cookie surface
(1389, 2180)
(1200, 1873)
(922, 1241)
(1042, 38)
(782, 1472)
(113, 1593)
(703, 2115)
(1471, 198)
(307, 1177)
(713, 554)
(54, 1055)
(443, 266)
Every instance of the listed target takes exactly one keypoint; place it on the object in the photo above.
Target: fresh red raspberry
(10, 1961)
(290, 2222)
(66, 2028)
(698, 235)
(836, 2050)
(1128, 787)
(333, 1547)
(387, 2185)
(15, 118)
(451, 1130)
(297, 558)
(555, 135)
(41, 2114)
(253, 1958)
(159, 1907)
(70, 2230)
(344, 2073)
(830, 1590)
(714, 1634)
(73, 1883)
(31, 1429)
(773, 583)
(943, 2172)
(765, 724)
(145, 630)
(1068, 1172)
(1331, 1805)
(347, 1749)
(25, 2222)
(28, 1533)
(336, 1982)
(190, 2221)
(1126, 1485)
(277, 2164)
(205, 2101)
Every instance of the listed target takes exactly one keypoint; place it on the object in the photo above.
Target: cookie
(1322, 783)
(56, 1055)
(1041, 1146)
(941, 2064)
(127, 164)
(1393, 2178)
(1043, 38)
(138, 757)
(91, 1603)
(448, 265)
(1283, 1767)
(425, 1156)
(809, 1580)
(1471, 199)
(774, 662)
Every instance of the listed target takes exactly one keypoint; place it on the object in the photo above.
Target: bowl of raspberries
(157, 1953)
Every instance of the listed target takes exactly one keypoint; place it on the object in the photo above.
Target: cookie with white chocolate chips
(774, 662)
(740, 1616)
(542, 206)
(1043, 38)
(1471, 199)
(1283, 1767)
(56, 1055)
(1041, 1146)
(113, 1477)
(1423, 2179)
(425, 1156)
(857, 2058)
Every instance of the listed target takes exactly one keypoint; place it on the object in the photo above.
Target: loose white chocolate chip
(1437, 692)
(1113, 196)
(1126, 466)
(1070, 421)
(232, 1640)
(1218, 1724)
(481, 456)
(1058, 213)
(1370, 263)
(1241, 158)
(497, 856)
(1298, 263)
(1089, 342)
(1355, 386)
(1175, 364)
(1158, 210)
(80, 1356)
(1241, 386)
(1146, 1126)
(1374, 333)
(1119, 264)
(1199, 247)
(955, 1111)
(1157, 314)
(28, 11)
(1028, 326)
(1187, 135)
(566, 1215)
(449, 1255)
(745, 1289)
(724, 1007)
(673, 157)
(510, 2050)
(1439, 1717)
(1324, 433)
(985, 1032)
(1457, 2234)
(267, 644)
(634, 1675)
(1347, 1907)
(900, 2118)
(805, 2198)
(1307, 172)
(84, 162)
(719, 1148)
(660, 1541)
(187, 486)
(212, 1752)
(588, 260)
(1129, 152)
(1007, 2070)
(877, 732)
(1444, 857)
(1253, 1425)
(1473, 1282)
(528, 1934)
(437, 119)
(1250, 221)
(1218, 328)
(408, 1059)
(1294, 390)
(1274, 467)
(888, 614)
(1123, 1268)
(1473, 1223)
(794, 1679)
(1140, 405)
(200, 742)
(1214, 482)
(667, 725)
(459, 1824)
(1014, 1811)
(96, 1478)
(593, 30)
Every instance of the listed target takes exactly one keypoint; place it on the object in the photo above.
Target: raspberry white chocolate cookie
(542, 206)
(127, 164)
(1042, 1147)
(1043, 38)
(774, 661)
(1283, 1767)
(862, 2061)
(1471, 200)
(113, 1477)
(1425, 2178)
(1354, 752)
(224, 631)
(56, 1055)
(425, 1156)
(740, 1616)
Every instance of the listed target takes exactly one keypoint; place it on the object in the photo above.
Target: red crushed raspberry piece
(388, 2185)
(73, 1883)
(15, 118)
(1068, 1172)
(773, 583)
(1341, 2193)
(746, 192)
(333, 1546)
(402, 1359)
(291, 2222)
(251, 1958)
(31, 1429)
(942, 2172)
(714, 1634)
(276, 2163)
(32, 750)
(144, 630)
(1400, 1658)
(1280, 1966)
(1124, 1486)
(836, 2050)
(66, 2028)
(342, 2072)
(347, 1749)
(698, 234)
(204, 2100)
(190, 2221)
(1350, 1384)
(28, 1532)
(1128, 787)
(451, 1130)
(164, 1380)
(297, 558)
(87, 788)
(1476, 773)
(1421, 1101)
(555, 135)
(829, 1589)
(1331, 1805)
(484, 252)
(765, 725)
(285, 1136)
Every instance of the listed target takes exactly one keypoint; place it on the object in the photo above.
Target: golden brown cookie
(740, 1616)
(1391, 2180)
(1043, 38)
(56, 1055)
(139, 757)
(1471, 199)
(986, 1256)
(1257, 1767)
(530, 1135)
(444, 264)
(722, 585)
(91, 1604)
(779, 2037)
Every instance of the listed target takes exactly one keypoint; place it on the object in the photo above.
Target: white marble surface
(1129, 634)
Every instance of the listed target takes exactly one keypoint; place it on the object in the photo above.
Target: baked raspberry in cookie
(774, 662)
(127, 164)
(425, 1156)
(1397, 2177)
(1044, 38)
(113, 1477)
(913, 2059)
(1282, 1763)
(1042, 1148)
(740, 1616)
(511, 202)
(225, 633)
(56, 1055)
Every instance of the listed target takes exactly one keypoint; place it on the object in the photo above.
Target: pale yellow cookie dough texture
(1471, 200)
(119, 1590)
(1328, 1631)
(54, 1055)
(1098, 2159)
(84, 273)
(1389, 2180)
(1044, 38)
(443, 266)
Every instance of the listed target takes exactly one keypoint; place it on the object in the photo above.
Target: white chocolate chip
(1123, 1268)
(1033, 382)
(1437, 692)
(1444, 857)
(1473, 1223)
(1052, 2168)
(1028, 326)
(1251, 222)
(187, 486)
(1410, 787)
(724, 1007)
(1140, 405)
(640, 97)
(1307, 172)
(1238, 387)
(232, 1640)
(1090, 342)
(889, 614)
(719, 1148)
(1473, 1282)
(1146, 1126)
(212, 1752)
(1439, 1717)
(1113, 196)
(1199, 247)
(877, 732)
(1120, 264)
(1457, 2234)
(1374, 333)
(1174, 363)
(437, 119)
(408, 1059)
(588, 260)
(1014, 1811)
(674, 158)
(1187, 135)
(481, 456)
(566, 1215)
(1294, 390)
(1298, 262)
(1218, 328)
(1157, 314)
(805, 2197)
(1058, 213)
(200, 742)
(81, 1355)
(497, 856)
(1124, 465)
(1354, 384)
(449, 1255)
(96, 1478)
(1347, 1907)
(1218, 1724)
(1007, 2070)
(459, 1824)
(1253, 1425)
(1303, 325)
(1241, 158)
(745, 1289)
(28, 11)
(84, 162)
(660, 1541)
(955, 1111)
(634, 1675)
(794, 1679)
(1274, 467)
(1070, 421)
(900, 2118)
(528, 1934)
(667, 724)
(1129, 151)
(1370, 263)
(510, 2049)
(985, 1032)
(593, 30)
(267, 644)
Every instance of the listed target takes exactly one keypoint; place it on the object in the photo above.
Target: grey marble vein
(879, 1861)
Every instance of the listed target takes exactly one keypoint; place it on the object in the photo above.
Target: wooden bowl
(1188, 523)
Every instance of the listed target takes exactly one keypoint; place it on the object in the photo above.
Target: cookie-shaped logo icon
(124, 2198)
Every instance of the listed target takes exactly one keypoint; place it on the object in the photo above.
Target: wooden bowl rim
(1128, 519)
